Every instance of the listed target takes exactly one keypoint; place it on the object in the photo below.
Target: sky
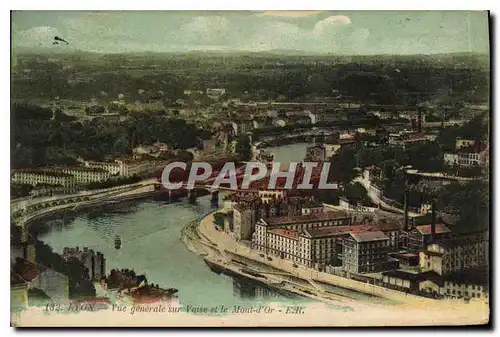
(356, 32)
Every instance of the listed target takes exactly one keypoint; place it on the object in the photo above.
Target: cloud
(201, 24)
(35, 36)
(206, 30)
(275, 35)
(289, 14)
(314, 31)
(330, 24)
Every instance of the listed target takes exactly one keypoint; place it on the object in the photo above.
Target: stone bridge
(23, 210)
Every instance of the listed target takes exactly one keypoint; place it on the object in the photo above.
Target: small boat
(118, 242)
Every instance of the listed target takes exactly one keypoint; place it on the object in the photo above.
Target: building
(372, 172)
(208, 144)
(228, 222)
(420, 236)
(154, 150)
(333, 145)
(412, 282)
(85, 175)
(302, 239)
(18, 293)
(467, 156)
(279, 122)
(131, 167)
(192, 92)
(244, 218)
(22, 245)
(149, 105)
(67, 177)
(251, 207)
(470, 284)
(312, 207)
(215, 93)
(43, 176)
(455, 254)
(112, 167)
(315, 153)
(308, 221)
(242, 126)
(406, 139)
(94, 262)
(382, 114)
(298, 120)
(463, 143)
(37, 276)
(366, 252)
(322, 247)
(393, 230)
(314, 247)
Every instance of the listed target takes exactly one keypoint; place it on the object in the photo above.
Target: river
(151, 245)
(286, 153)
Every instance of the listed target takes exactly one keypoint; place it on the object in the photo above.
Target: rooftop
(26, 270)
(369, 236)
(15, 279)
(46, 172)
(320, 216)
(336, 230)
(291, 234)
(426, 229)
(476, 148)
(388, 225)
(418, 277)
(82, 168)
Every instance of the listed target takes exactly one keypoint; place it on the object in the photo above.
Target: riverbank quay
(224, 252)
(72, 203)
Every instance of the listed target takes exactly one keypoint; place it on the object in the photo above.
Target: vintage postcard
(250, 168)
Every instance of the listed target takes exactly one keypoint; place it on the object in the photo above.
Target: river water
(151, 245)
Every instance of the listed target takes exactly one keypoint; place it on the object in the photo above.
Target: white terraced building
(67, 177)
(112, 167)
(129, 167)
(86, 175)
(42, 177)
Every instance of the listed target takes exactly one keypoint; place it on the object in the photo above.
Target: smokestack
(406, 206)
(433, 223)
(420, 120)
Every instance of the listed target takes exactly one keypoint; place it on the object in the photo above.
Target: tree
(244, 148)
(470, 202)
(185, 156)
(62, 117)
(95, 109)
(80, 286)
(343, 165)
(426, 157)
(356, 193)
(219, 220)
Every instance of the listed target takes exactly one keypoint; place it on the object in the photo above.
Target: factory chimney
(419, 120)
(406, 206)
(433, 223)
